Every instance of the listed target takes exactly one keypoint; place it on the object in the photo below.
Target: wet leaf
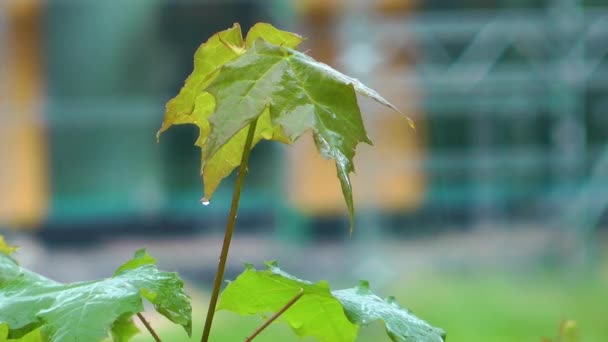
(208, 58)
(300, 94)
(272, 35)
(194, 106)
(321, 313)
(32, 336)
(317, 313)
(363, 307)
(88, 311)
(263, 78)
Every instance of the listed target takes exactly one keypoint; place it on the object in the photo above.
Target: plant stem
(149, 327)
(221, 267)
(291, 302)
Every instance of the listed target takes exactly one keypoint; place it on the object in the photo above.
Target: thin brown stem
(291, 302)
(221, 267)
(149, 327)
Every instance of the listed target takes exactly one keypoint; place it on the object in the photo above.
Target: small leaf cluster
(329, 316)
(35, 308)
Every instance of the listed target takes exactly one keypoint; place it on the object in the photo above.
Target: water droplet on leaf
(205, 201)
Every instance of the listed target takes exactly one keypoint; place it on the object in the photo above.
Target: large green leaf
(262, 78)
(324, 314)
(317, 313)
(300, 94)
(362, 307)
(194, 106)
(88, 311)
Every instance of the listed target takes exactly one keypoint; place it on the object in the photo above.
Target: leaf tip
(238, 50)
(392, 300)
(141, 253)
(271, 264)
(6, 248)
(188, 328)
(363, 286)
(143, 257)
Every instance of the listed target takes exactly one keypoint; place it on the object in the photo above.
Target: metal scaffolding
(527, 73)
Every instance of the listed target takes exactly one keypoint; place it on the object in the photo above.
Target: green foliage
(317, 313)
(194, 106)
(482, 305)
(326, 315)
(6, 248)
(87, 311)
(263, 78)
(363, 307)
(32, 336)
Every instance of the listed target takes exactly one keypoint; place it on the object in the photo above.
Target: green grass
(472, 308)
(501, 309)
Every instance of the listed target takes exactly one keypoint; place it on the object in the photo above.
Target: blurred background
(488, 221)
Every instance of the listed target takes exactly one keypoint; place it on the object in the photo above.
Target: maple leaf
(263, 78)
(321, 313)
(363, 307)
(317, 313)
(299, 94)
(32, 305)
(194, 106)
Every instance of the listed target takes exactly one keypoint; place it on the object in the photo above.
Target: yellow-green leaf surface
(363, 307)
(317, 313)
(88, 311)
(272, 35)
(33, 336)
(194, 106)
(207, 59)
(6, 248)
(300, 94)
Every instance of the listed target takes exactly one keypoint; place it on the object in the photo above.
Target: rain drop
(205, 201)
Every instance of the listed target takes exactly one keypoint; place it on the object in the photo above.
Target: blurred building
(23, 160)
(508, 99)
